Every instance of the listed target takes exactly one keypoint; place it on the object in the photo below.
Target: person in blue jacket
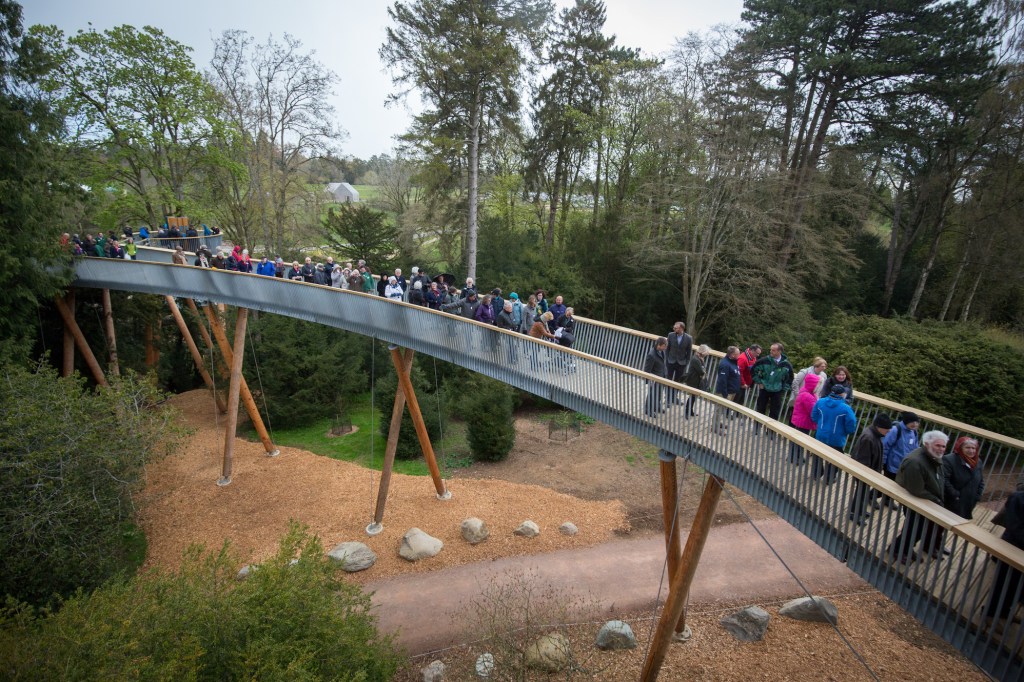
(897, 444)
(728, 384)
(836, 422)
(265, 267)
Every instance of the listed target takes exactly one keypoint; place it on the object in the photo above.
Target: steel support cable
(856, 653)
(259, 380)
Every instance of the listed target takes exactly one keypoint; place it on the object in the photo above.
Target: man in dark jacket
(680, 348)
(655, 364)
(868, 451)
(728, 384)
(464, 306)
(1007, 590)
(921, 475)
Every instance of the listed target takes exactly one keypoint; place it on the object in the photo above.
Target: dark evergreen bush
(491, 430)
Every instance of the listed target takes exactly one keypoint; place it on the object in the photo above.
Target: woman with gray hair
(696, 376)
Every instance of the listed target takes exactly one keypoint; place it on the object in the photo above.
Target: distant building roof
(342, 192)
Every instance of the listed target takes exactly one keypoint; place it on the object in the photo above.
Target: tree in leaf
(466, 58)
(357, 231)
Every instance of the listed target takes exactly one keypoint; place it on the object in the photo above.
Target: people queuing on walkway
(921, 474)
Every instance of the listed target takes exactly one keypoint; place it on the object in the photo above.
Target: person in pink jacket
(801, 417)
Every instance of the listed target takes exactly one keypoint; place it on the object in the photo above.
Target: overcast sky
(346, 37)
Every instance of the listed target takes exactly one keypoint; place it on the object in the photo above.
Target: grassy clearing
(366, 445)
(1005, 336)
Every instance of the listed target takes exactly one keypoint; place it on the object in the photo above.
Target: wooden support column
(83, 346)
(682, 579)
(152, 352)
(236, 384)
(389, 453)
(108, 323)
(670, 513)
(68, 367)
(202, 327)
(197, 357)
(247, 400)
(417, 420)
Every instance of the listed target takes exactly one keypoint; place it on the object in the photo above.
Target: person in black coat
(680, 349)
(964, 481)
(1008, 586)
(655, 364)
(868, 451)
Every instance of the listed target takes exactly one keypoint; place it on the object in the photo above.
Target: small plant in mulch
(565, 426)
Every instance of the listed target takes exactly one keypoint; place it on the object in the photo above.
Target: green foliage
(295, 621)
(35, 187)
(956, 370)
(491, 427)
(304, 368)
(358, 231)
(408, 443)
(71, 458)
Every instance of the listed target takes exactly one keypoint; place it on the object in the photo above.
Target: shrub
(491, 430)
(72, 458)
(287, 620)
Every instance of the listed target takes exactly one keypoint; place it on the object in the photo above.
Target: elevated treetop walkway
(599, 378)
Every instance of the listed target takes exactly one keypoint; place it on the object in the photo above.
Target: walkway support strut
(197, 357)
(83, 346)
(236, 384)
(392, 448)
(417, 419)
(68, 366)
(250, 404)
(682, 579)
(108, 323)
(670, 513)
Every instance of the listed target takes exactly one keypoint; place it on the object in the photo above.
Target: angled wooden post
(682, 579)
(670, 514)
(197, 357)
(417, 420)
(152, 352)
(202, 327)
(389, 452)
(108, 323)
(247, 400)
(83, 346)
(236, 384)
(68, 366)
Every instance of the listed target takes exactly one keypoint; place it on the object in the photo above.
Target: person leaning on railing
(1007, 590)
(922, 476)
(696, 376)
(868, 451)
(654, 363)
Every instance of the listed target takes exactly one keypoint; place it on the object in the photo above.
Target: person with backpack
(898, 443)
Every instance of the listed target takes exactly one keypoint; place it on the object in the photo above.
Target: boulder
(527, 529)
(568, 528)
(813, 609)
(748, 625)
(615, 634)
(474, 531)
(550, 653)
(353, 556)
(484, 666)
(418, 545)
(433, 672)
(246, 571)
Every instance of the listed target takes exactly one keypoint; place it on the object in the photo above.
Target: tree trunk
(922, 281)
(956, 278)
(474, 179)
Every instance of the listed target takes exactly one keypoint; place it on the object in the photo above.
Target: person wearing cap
(265, 267)
(203, 258)
(465, 306)
(835, 422)
(393, 290)
(922, 476)
(868, 451)
(179, 256)
(964, 480)
(280, 267)
(518, 317)
(898, 443)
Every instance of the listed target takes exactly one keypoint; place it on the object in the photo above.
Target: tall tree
(135, 98)
(277, 97)
(567, 99)
(466, 58)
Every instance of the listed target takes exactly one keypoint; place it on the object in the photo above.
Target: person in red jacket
(746, 362)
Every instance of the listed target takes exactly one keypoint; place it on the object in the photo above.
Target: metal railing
(212, 242)
(1003, 456)
(950, 593)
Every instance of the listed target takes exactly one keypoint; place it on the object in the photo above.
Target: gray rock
(484, 666)
(748, 625)
(474, 531)
(615, 634)
(433, 672)
(549, 653)
(568, 528)
(527, 529)
(813, 609)
(353, 556)
(418, 545)
(246, 571)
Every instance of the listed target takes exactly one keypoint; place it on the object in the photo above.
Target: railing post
(233, 391)
(682, 579)
(417, 419)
